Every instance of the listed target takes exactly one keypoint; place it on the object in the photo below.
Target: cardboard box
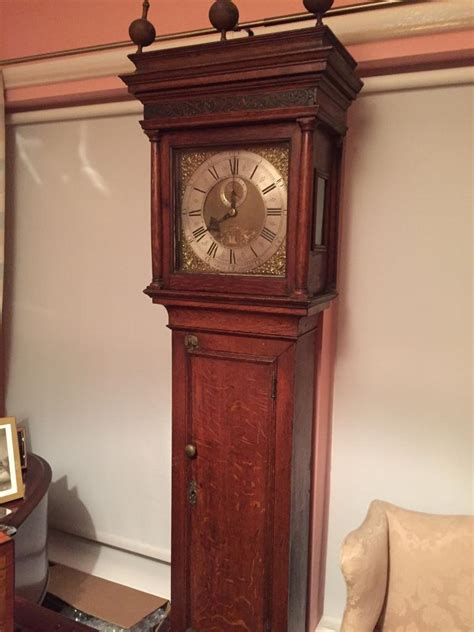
(109, 601)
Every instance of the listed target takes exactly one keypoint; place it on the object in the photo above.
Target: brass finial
(224, 16)
(141, 31)
(319, 8)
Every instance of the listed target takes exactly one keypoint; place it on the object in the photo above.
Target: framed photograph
(11, 481)
(22, 447)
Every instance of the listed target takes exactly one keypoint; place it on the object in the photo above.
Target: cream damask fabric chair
(407, 571)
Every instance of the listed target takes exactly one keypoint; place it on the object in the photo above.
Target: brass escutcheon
(191, 342)
(192, 493)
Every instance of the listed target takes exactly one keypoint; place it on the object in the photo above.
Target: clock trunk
(244, 400)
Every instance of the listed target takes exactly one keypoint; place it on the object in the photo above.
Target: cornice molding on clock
(372, 85)
(394, 20)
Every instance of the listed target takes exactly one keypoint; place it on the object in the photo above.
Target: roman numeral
(200, 190)
(251, 248)
(213, 172)
(268, 234)
(253, 172)
(232, 257)
(199, 233)
(194, 213)
(234, 165)
(212, 250)
(269, 188)
(276, 212)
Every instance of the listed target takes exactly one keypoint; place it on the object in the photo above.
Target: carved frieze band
(211, 105)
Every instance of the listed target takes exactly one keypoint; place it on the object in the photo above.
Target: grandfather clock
(245, 158)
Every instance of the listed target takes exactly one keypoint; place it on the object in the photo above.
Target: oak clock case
(245, 161)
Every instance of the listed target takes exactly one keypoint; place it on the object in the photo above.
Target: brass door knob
(190, 451)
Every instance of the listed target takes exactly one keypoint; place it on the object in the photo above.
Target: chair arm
(364, 564)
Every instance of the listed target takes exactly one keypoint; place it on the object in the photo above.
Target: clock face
(233, 212)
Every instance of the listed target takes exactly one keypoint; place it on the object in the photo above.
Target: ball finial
(141, 31)
(224, 16)
(319, 8)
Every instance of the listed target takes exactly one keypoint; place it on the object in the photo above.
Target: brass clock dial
(234, 211)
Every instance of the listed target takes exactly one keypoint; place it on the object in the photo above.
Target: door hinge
(274, 387)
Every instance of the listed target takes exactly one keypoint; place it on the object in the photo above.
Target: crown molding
(394, 20)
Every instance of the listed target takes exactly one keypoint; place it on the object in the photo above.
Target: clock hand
(233, 198)
(214, 223)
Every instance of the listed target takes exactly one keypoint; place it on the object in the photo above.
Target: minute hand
(215, 222)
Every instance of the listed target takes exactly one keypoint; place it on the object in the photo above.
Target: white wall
(90, 356)
(402, 403)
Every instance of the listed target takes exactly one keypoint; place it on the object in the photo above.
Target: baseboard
(329, 624)
(98, 536)
(129, 569)
(136, 571)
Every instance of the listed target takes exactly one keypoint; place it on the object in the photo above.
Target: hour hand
(214, 223)
(213, 226)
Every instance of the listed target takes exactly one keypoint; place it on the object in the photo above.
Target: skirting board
(329, 624)
(126, 568)
(129, 569)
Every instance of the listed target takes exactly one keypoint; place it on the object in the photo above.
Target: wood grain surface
(231, 422)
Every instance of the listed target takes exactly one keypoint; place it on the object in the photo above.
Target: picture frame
(11, 480)
(22, 448)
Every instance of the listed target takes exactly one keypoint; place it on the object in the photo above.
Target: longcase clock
(245, 158)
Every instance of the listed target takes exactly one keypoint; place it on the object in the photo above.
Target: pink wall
(50, 25)
(29, 27)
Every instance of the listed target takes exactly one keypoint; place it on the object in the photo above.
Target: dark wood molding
(224, 103)
(76, 99)
(416, 63)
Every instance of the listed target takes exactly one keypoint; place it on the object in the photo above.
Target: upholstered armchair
(409, 572)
